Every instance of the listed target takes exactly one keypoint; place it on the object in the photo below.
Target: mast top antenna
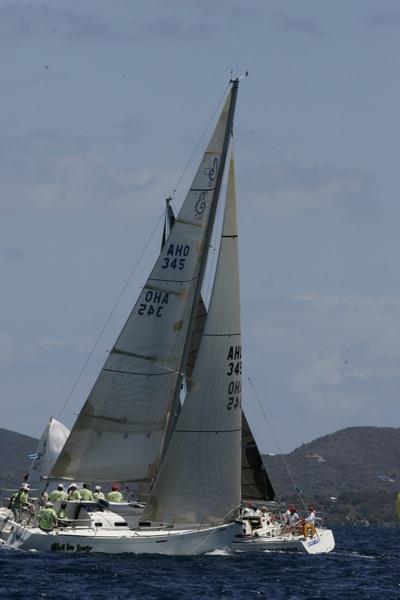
(236, 79)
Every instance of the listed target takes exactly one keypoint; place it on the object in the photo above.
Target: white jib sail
(199, 479)
(119, 431)
(49, 447)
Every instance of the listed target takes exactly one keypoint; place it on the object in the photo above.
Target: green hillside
(14, 450)
(360, 466)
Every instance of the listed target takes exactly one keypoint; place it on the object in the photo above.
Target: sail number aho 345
(234, 371)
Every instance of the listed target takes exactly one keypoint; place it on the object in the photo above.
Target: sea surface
(365, 564)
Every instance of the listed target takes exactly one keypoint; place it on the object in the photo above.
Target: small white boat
(259, 533)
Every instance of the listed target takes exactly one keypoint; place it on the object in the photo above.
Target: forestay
(119, 431)
(199, 479)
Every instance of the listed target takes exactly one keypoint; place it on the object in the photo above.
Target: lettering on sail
(202, 202)
(176, 257)
(233, 372)
(154, 304)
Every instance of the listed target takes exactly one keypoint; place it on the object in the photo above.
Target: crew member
(290, 517)
(47, 518)
(62, 519)
(58, 494)
(311, 515)
(86, 493)
(98, 494)
(73, 493)
(115, 494)
(20, 500)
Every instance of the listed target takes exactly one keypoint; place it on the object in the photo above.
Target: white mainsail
(119, 432)
(199, 479)
(48, 449)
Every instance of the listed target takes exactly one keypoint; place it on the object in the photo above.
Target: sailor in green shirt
(62, 518)
(73, 493)
(20, 500)
(86, 493)
(115, 495)
(58, 494)
(98, 494)
(47, 518)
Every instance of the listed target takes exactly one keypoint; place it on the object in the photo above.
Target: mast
(207, 238)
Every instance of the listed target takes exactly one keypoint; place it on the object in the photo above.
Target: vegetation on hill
(353, 475)
(14, 451)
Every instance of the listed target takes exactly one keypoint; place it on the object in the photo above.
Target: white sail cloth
(199, 479)
(119, 431)
(48, 449)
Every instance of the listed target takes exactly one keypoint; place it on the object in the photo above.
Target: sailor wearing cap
(47, 517)
(115, 494)
(98, 494)
(58, 494)
(73, 493)
(20, 500)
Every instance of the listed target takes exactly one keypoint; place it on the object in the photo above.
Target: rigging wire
(285, 464)
(111, 314)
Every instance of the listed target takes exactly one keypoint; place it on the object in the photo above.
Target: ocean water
(365, 564)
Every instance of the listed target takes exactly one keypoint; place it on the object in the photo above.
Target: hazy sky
(102, 104)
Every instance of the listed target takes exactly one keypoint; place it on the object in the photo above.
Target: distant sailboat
(48, 449)
(266, 531)
(132, 426)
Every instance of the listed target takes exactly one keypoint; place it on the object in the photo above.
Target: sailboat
(51, 443)
(133, 426)
(266, 531)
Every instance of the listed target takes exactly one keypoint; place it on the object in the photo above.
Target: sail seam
(202, 189)
(220, 334)
(165, 291)
(121, 352)
(194, 223)
(172, 281)
(207, 430)
(137, 373)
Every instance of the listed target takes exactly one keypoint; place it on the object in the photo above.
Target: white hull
(321, 543)
(84, 540)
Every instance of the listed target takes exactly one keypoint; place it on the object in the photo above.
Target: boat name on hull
(67, 547)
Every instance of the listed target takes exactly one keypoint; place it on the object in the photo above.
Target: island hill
(352, 475)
